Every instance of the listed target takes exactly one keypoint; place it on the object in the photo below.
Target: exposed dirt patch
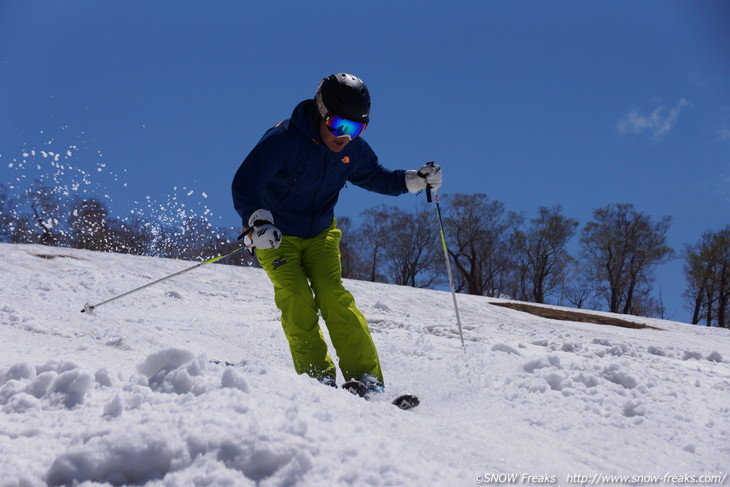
(567, 315)
(54, 256)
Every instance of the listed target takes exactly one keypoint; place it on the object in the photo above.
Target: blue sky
(534, 103)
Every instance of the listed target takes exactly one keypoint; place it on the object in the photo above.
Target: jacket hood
(305, 119)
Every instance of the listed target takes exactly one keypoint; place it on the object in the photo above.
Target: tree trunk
(699, 301)
(710, 301)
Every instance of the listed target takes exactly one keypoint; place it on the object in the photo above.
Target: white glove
(429, 174)
(264, 235)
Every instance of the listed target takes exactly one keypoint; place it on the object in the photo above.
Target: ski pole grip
(428, 186)
(246, 231)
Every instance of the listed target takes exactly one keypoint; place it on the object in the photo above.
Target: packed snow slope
(129, 395)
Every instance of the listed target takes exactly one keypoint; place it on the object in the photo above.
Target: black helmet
(343, 95)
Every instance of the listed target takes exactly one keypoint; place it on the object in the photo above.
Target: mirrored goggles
(342, 126)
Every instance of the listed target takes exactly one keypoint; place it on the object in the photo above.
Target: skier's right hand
(263, 234)
(266, 237)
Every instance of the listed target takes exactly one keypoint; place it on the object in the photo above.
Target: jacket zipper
(314, 197)
(286, 195)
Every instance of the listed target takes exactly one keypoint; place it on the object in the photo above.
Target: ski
(404, 402)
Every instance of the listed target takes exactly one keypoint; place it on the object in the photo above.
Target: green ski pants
(307, 277)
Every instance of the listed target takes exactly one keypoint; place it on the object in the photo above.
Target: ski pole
(89, 308)
(446, 255)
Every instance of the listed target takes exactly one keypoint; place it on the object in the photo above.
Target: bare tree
(351, 262)
(89, 222)
(409, 248)
(478, 244)
(6, 215)
(36, 215)
(47, 215)
(367, 242)
(707, 269)
(620, 249)
(130, 236)
(390, 245)
(577, 290)
(541, 253)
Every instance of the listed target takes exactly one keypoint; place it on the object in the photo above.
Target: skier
(285, 191)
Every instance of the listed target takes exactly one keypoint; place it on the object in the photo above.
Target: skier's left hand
(429, 175)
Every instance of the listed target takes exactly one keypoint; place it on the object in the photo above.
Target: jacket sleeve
(370, 175)
(254, 174)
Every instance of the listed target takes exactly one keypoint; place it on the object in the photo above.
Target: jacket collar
(306, 119)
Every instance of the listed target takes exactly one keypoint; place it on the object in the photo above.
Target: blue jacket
(291, 173)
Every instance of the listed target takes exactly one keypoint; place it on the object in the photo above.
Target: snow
(130, 394)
